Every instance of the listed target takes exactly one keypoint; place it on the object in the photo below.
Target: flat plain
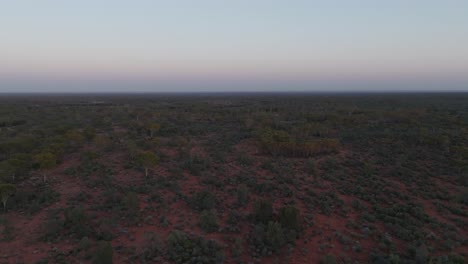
(234, 178)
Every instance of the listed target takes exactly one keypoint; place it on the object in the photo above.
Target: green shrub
(242, 195)
(328, 259)
(281, 143)
(7, 230)
(77, 222)
(132, 204)
(244, 159)
(112, 198)
(207, 221)
(289, 218)
(84, 244)
(203, 200)
(262, 211)
(184, 249)
(237, 248)
(196, 164)
(311, 167)
(32, 200)
(275, 236)
(153, 247)
(453, 258)
(233, 221)
(268, 238)
(103, 253)
(52, 229)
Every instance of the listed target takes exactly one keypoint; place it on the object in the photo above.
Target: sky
(233, 45)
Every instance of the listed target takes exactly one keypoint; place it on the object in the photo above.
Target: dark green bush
(448, 259)
(154, 246)
(244, 159)
(103, 253)
(328, 259)
(7, 230)
(196, 164)
(289, 218)
(207, 221)
(203, 200)
(262, 211)
(32, 200)
(275, 236)
(77, 222)
(268, 238)
(242, 195)
(184, 249)
(131, 205)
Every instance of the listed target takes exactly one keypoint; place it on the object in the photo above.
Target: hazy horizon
(212, 46)
(135, 87)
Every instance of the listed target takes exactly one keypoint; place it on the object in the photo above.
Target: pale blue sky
(233, 45)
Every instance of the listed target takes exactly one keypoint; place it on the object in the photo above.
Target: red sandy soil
(319, 237)
(26, 246)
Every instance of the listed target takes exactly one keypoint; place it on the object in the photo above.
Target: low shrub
(289, 218)
(262, 211)
(208, 222)
(103, 253)
(203, 200)
(182, 248)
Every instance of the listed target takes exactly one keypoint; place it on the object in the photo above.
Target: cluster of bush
(273, 231)
(203, 200)
(280, 143)
(405, 220)
(184, 248)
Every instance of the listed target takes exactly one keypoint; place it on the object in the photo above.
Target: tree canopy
(6, 190)
(147, 160)
(46, 161)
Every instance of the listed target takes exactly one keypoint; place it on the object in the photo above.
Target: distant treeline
(12, 123)
(79, 104)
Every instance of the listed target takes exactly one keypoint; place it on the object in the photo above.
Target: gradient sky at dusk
(233, 45)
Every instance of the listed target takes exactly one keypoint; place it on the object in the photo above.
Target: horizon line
(237, 92)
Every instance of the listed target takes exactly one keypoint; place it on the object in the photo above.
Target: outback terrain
(241, 178)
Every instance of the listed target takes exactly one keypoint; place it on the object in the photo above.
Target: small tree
(152, 128)
(132, 149)
(46, 161)
(75, 138)
(6, 190)
(17, 164)
(147, 160)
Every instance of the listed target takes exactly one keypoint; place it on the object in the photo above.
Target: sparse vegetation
(252, 178)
